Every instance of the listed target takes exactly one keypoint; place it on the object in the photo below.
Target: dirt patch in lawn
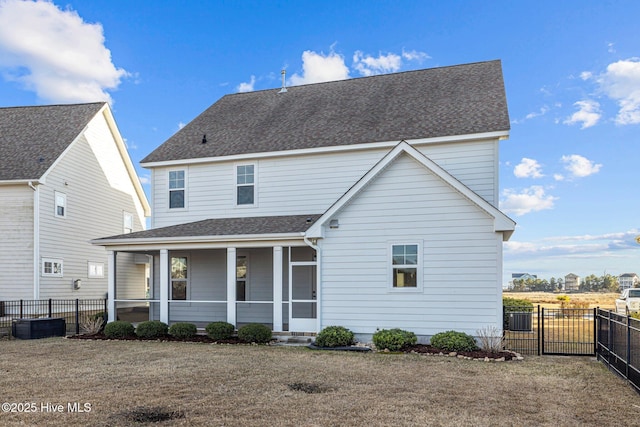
(475, 354)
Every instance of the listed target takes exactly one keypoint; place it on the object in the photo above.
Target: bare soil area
(134, 383)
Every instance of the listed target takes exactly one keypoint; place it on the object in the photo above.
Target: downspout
(316, 247)
(36, 241)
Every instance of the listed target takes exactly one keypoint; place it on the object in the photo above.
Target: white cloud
(181, 125)
(144, 179)
(558, 177)
(528, 168)
(367, 65)
(543, 110)
(580, 166)
(247, 86)
(414, 55)
(530, 199)
(317, 67)
(55, 53)
(586, 75)
(621, 82)
(588, 114)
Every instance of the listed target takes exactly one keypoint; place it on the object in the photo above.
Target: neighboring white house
(571, 282)
(65, 178)
(368, 203)
(628, 280)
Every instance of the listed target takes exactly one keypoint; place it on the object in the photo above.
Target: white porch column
(277, 288)
(111, 286)
(231, 286)
(164, 285)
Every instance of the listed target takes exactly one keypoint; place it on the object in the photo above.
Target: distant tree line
(591, 283)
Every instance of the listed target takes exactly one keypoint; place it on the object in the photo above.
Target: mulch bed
(476, 354)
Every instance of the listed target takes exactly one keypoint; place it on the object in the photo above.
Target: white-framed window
(52, 267)
(177, 188)
(60, 208)
(95, 270)
(406, 272)
(127, 221)
(242, 271)
(179, 277)
(246, 185)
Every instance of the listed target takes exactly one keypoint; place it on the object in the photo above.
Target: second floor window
(176, 189)
(128, 223)
(245, 185)
(61, 205)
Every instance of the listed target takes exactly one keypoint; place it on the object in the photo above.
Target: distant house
(523, 276)
(628, 280)
(571, 282)
(65, 177)
(368, 203)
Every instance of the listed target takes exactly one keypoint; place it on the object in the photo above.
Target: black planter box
(44, 327)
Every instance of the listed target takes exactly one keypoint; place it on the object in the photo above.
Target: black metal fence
(619, 345)
(538, 330)
(73, 311)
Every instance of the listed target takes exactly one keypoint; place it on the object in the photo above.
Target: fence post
(106, 307)
(540, 331)
(50, 301)
(596, 330)
(609, 338)
(77, 316)
(628, 348)
(21, 308)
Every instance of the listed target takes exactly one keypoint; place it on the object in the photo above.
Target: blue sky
(568, 173)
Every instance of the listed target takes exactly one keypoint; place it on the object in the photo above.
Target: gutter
(36, 239)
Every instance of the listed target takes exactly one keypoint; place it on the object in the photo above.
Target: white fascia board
(126, 159)
(134, 246)
(199, 239)
(332, 149)
(502, 223)
(20, 182)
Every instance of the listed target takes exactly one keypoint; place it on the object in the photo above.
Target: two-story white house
(368, 203)
(65, 177)
(628, 280)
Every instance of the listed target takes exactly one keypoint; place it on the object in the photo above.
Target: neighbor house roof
(32, 138)
(447, 101)
(215, 228)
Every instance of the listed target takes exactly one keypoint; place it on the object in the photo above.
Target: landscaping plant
(335, 336)
(393, 339)
(490, 339)
(220, 330)
(255, 333)
(183, 330)
(152, 329)
(119, 329)
(453, 341)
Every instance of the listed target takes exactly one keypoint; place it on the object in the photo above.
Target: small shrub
(490, 339)
(152, 329)
(255, 332)
(454, 341)
(393, 339)
(335, 336)
(119, 329)
(91, 325)
(183, 330)
(563, 298)
(220, 330)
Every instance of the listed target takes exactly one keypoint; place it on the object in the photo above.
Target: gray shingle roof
(227, 227)
(456, 100)
(32, 138)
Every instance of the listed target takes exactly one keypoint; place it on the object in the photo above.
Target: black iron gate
(557, 331)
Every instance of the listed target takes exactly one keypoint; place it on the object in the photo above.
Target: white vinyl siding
(16, 244)
(459, 260)
(304, 184)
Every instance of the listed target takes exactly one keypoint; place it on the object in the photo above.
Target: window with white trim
(405, 266)
(52, 267)
(127, 222)
(245, 185)
(95, 270)
(176, 189)
(60, 204)
(179, 277)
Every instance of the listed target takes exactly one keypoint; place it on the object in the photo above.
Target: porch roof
(218, 228)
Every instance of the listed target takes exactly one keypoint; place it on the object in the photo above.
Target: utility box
(521, 321)
(44, 327)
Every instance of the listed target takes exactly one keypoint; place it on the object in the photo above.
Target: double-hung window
(52, 267)
(179, 278)
(176, 189)
(245, 185)
(60, 204)
(405, 266)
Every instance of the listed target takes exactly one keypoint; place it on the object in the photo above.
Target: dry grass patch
(604, 300)
(185, 384)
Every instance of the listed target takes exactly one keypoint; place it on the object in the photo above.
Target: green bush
(152, 329)
(454, 341)
(220, 330)
(393, 339)
(514, 305)
(183, 330)
(255, 332)
(335, 336)
(119, 329)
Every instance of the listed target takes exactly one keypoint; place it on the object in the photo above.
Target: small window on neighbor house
(128, 223)
(245, 184)
(176, 189)
(60, 204)
(52, 267)
(179, 278)
(95, 270)
(404, 260)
